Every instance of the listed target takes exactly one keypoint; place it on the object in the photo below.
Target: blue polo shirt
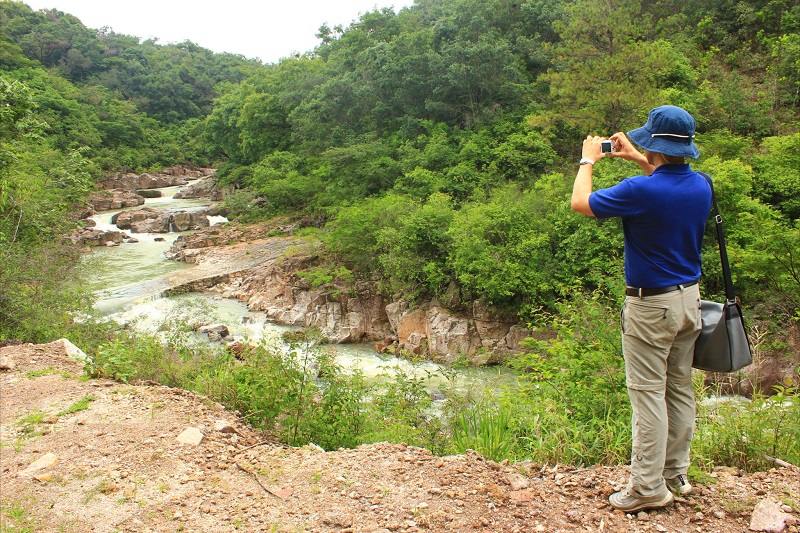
(663, 218)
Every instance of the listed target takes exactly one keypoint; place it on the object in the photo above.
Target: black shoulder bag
(723, 345)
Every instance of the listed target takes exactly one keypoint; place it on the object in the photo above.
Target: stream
(128, 281)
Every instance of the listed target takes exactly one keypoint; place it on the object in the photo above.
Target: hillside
(99, 455)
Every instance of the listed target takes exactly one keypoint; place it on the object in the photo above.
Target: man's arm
(582, 187)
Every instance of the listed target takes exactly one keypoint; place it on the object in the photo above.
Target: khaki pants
(658, 335)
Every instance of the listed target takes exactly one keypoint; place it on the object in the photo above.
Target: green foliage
(778, 169)
(501, 248)
(16, 517)
(353, 236)
(301, 395)
(323, 275)
(485, 429)
(573, 386)
(414, 251)
(747, 433)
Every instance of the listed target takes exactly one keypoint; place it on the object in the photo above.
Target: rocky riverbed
(97, 455)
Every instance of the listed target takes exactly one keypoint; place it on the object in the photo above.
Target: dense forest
(434, 149)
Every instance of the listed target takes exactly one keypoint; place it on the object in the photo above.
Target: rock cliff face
(481, 335)
(170, 177)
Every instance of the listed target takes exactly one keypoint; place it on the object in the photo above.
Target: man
(663, 216)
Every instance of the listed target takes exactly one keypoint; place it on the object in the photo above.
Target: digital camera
(607, 146)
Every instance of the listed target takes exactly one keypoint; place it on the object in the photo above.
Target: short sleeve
(616, 201)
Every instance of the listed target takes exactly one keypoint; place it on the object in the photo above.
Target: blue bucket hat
(669, 130)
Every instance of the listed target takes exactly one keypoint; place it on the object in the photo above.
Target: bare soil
(114, 462)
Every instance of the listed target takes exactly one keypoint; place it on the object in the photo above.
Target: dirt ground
(97, 455)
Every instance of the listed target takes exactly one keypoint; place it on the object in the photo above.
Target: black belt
(642, 292)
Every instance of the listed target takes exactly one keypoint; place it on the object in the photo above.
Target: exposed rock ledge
(177, 175)
(355, 314)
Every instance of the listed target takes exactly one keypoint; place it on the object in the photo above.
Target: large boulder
(148, 220)
(94, 237)
(188, 220)
(114, 199)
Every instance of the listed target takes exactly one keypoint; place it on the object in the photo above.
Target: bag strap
(723, 252)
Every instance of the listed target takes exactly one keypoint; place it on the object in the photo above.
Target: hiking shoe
(679, 485)
(630, 504)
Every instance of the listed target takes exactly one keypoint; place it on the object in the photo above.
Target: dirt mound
(98, 455)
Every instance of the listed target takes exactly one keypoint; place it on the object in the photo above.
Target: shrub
(573, 389)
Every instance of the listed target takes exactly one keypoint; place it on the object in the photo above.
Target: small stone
(337, 518)
(223, 426)
(6, 363)
(73, 351)
(661, 528)
(719, 514)
(46, 461)
(191, 436)
(518, 481)
(643, 516)
(768, 516)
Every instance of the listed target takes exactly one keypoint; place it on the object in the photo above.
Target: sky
(264, 29)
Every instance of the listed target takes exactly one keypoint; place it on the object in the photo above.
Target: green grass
(14, 517)
(33, 374)
(80, 405)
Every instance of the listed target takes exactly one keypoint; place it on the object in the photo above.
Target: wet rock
(149, 193)
(215, 332)
(96, 237)
(114, 199)
(184, 221)
(148, 220)
(131, 182)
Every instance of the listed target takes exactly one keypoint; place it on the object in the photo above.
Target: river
(128, 281)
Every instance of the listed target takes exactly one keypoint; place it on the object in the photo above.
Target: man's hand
(591, 148)
(625, 149)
